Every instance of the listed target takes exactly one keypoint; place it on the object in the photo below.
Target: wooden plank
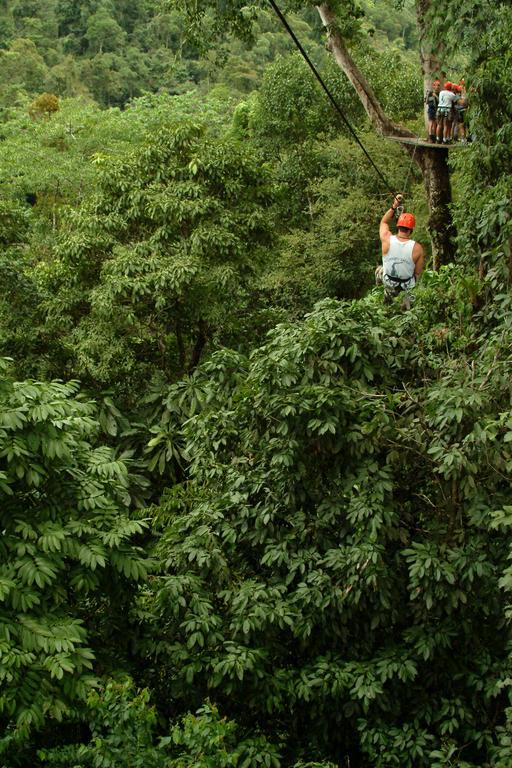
(427, 144)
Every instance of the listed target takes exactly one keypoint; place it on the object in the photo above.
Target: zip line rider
(403, 259)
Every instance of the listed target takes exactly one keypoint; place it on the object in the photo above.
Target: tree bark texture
(436, 177)
(201, 341)
(432, 162)
(430, 61)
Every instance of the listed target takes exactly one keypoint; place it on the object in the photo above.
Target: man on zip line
(403, 259)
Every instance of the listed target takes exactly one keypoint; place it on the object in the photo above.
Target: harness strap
(399, 279)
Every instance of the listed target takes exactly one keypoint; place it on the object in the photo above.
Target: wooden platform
(422, 143)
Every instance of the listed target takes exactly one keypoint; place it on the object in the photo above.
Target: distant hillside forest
(114, 50)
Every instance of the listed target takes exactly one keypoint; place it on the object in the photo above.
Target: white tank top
(398, 261)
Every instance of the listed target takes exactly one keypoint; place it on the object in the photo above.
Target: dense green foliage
(66, 548)
(340, 542)
(114, 50)
(252, 517)
(123, 732)
(183, 230)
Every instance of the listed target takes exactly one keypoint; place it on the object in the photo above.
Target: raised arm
(384, 230)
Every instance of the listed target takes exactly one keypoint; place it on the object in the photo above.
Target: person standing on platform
(445, 109)
(432, 102)
(461, 106)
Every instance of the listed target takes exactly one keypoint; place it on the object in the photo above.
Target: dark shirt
(432, 99)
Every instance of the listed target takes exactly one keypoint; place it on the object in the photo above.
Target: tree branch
(380, 121)
(201, 340)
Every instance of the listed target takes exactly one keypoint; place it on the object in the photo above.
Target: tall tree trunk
(430, 62)
(436, 177)
(431, 161)
(201, 341)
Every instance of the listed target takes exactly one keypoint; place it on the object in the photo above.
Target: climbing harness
(399, 280)
(331, 98)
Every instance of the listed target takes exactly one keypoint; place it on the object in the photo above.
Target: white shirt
(399, 263)
(447, 98)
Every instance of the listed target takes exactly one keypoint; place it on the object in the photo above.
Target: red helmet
(406, 220)
(436, 82)
(457, 88)
(448, 86)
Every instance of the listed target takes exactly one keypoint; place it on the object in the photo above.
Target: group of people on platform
(446, 109)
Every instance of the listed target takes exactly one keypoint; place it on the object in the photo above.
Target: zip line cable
(409, 171)
(331, 98)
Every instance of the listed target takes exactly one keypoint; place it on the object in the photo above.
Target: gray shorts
(445, 113)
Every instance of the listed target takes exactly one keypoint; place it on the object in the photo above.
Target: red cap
(448, 86)
(406, 220)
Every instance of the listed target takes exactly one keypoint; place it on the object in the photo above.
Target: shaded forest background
(250, 516)
(113, 51)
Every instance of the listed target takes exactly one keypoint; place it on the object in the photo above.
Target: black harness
(399, 280)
